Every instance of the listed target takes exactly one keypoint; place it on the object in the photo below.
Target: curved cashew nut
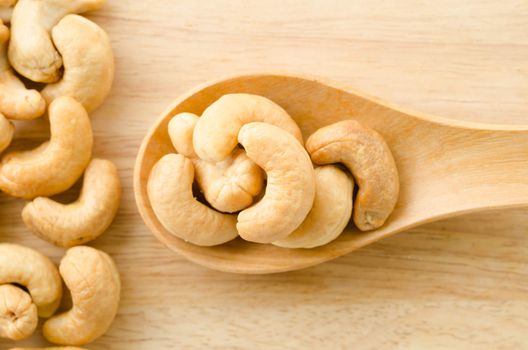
(55, 168)
(229, 185)
(290, 189)
(331, 211)
(88, 62)
(215, 135)
(18, 314)
(85, 219)
(31, 50)
(368, 157)
(26, 155)
(93, 280)
(170, 194)
(34, 271)
(6, 133)
(16, 102)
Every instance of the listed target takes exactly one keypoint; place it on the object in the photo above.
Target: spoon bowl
(446, 167)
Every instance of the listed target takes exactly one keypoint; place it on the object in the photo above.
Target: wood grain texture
(461, 283)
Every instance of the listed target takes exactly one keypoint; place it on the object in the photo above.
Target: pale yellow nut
(16, 102)
(31, 51)
(52, 348)
(229, 185)
(68, 225)
(26, 155)
(171, 197)
(215, 135)
(55, 168)
(36, 272)
(88, 62)
(181, 128)
(290, 188)
(6, 133)
(18, 314)
(331, 211)
(368, 157)
(232, 184)
(95, 287)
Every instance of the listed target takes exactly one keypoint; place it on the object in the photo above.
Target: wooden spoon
(446, 167)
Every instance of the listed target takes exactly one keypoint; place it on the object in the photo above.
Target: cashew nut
(18, 314)
(81, 221)
(181, 128)
(6, 133)
(290, 189)
(29, 268)
(55, 168)
(368, 157)
(16, 102)
(215, 135)
(331, 211)
(170, 194)
(31, 50)
(88, 62)
(229, 185)
(93, 280)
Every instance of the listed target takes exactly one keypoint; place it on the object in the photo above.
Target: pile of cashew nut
(245, 154)
(31, 287)
(47, 42)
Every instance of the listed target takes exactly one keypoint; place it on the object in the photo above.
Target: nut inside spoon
(446, 167)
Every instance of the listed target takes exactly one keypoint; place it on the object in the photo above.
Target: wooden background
(461, 283)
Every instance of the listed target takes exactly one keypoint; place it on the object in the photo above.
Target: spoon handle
(493, 168)
(462, 170)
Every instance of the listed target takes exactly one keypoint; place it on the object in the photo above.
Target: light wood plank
(455, 284)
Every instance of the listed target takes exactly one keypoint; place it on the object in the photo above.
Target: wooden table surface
(460, 283)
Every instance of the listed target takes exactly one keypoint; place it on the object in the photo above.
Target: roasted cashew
(55, 168)
(229, 185)
(31, 50)
(331, 211)
(93, 280)
(29, 268)
(83, 220)
(16, 102)
(88, 62)
(6, 133)
(368, 157)
(215, 135)
(170, 194)
(18, 314)
(26, 155)
(290, 189)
